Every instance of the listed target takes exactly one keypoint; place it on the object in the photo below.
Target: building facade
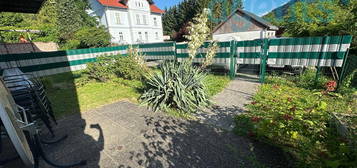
(129, 21)
(243, 25)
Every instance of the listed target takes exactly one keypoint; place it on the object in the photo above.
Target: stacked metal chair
(35, 108)
(29, 93)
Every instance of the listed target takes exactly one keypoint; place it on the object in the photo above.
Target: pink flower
(331, 86)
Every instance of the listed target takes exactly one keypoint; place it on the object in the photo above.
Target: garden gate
(328, 51)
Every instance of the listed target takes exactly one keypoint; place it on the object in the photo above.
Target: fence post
(344, 67)
(232, 62)
(175, 51)
(263, 62)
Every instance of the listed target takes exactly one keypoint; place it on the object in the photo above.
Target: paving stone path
(124, 135)
(230, 102)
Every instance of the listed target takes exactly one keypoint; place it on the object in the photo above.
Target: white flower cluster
(212, 49)
(198, 33)
(136, 55)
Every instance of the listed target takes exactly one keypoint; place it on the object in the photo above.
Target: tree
(10, 19)
(60, 21)
(69, 19)
(315, 19)
(92, 37)
(177, 17)
(168, 20)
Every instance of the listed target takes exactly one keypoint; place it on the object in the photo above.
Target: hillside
(281, 11)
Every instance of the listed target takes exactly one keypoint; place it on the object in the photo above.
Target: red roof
(116, 3)
(113, 3)
(155, 9)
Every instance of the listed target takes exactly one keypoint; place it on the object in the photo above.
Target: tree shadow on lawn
(172, 142)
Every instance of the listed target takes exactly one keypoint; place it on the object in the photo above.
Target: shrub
(308, 80)
(92, 37)
(70, 44)
(131, 67)
(102, 68)
(128, 68)
(178, 86)
(107, 67)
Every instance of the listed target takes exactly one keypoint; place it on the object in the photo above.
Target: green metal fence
(158, 51)
(310, 51)
(328, 51)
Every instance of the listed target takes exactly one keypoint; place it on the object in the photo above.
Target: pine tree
(168, 20)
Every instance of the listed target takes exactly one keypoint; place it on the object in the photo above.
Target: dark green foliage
(10, 19)
(351, 70)
(176, 18)
(92, 37)
(178, 86)
(306, 80)
(70, 44)
(69, 18)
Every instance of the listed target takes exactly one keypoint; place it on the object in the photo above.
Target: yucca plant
(179, 86)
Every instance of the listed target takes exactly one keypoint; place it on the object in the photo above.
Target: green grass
(68, 97)
(215, 83)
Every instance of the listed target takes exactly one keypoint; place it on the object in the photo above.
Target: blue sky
(259, 7)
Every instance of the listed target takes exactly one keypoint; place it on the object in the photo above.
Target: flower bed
(298, 120)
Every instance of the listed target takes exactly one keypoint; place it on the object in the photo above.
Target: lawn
(69, 96)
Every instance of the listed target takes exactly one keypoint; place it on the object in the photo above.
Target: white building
(243, 25)
(129, 21)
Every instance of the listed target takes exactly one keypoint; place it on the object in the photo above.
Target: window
(137, 19)
(146, 36)
(121, 37)
(117, 18)
(156, 35)
(144, 19)
(140, 36)
(155, 21)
